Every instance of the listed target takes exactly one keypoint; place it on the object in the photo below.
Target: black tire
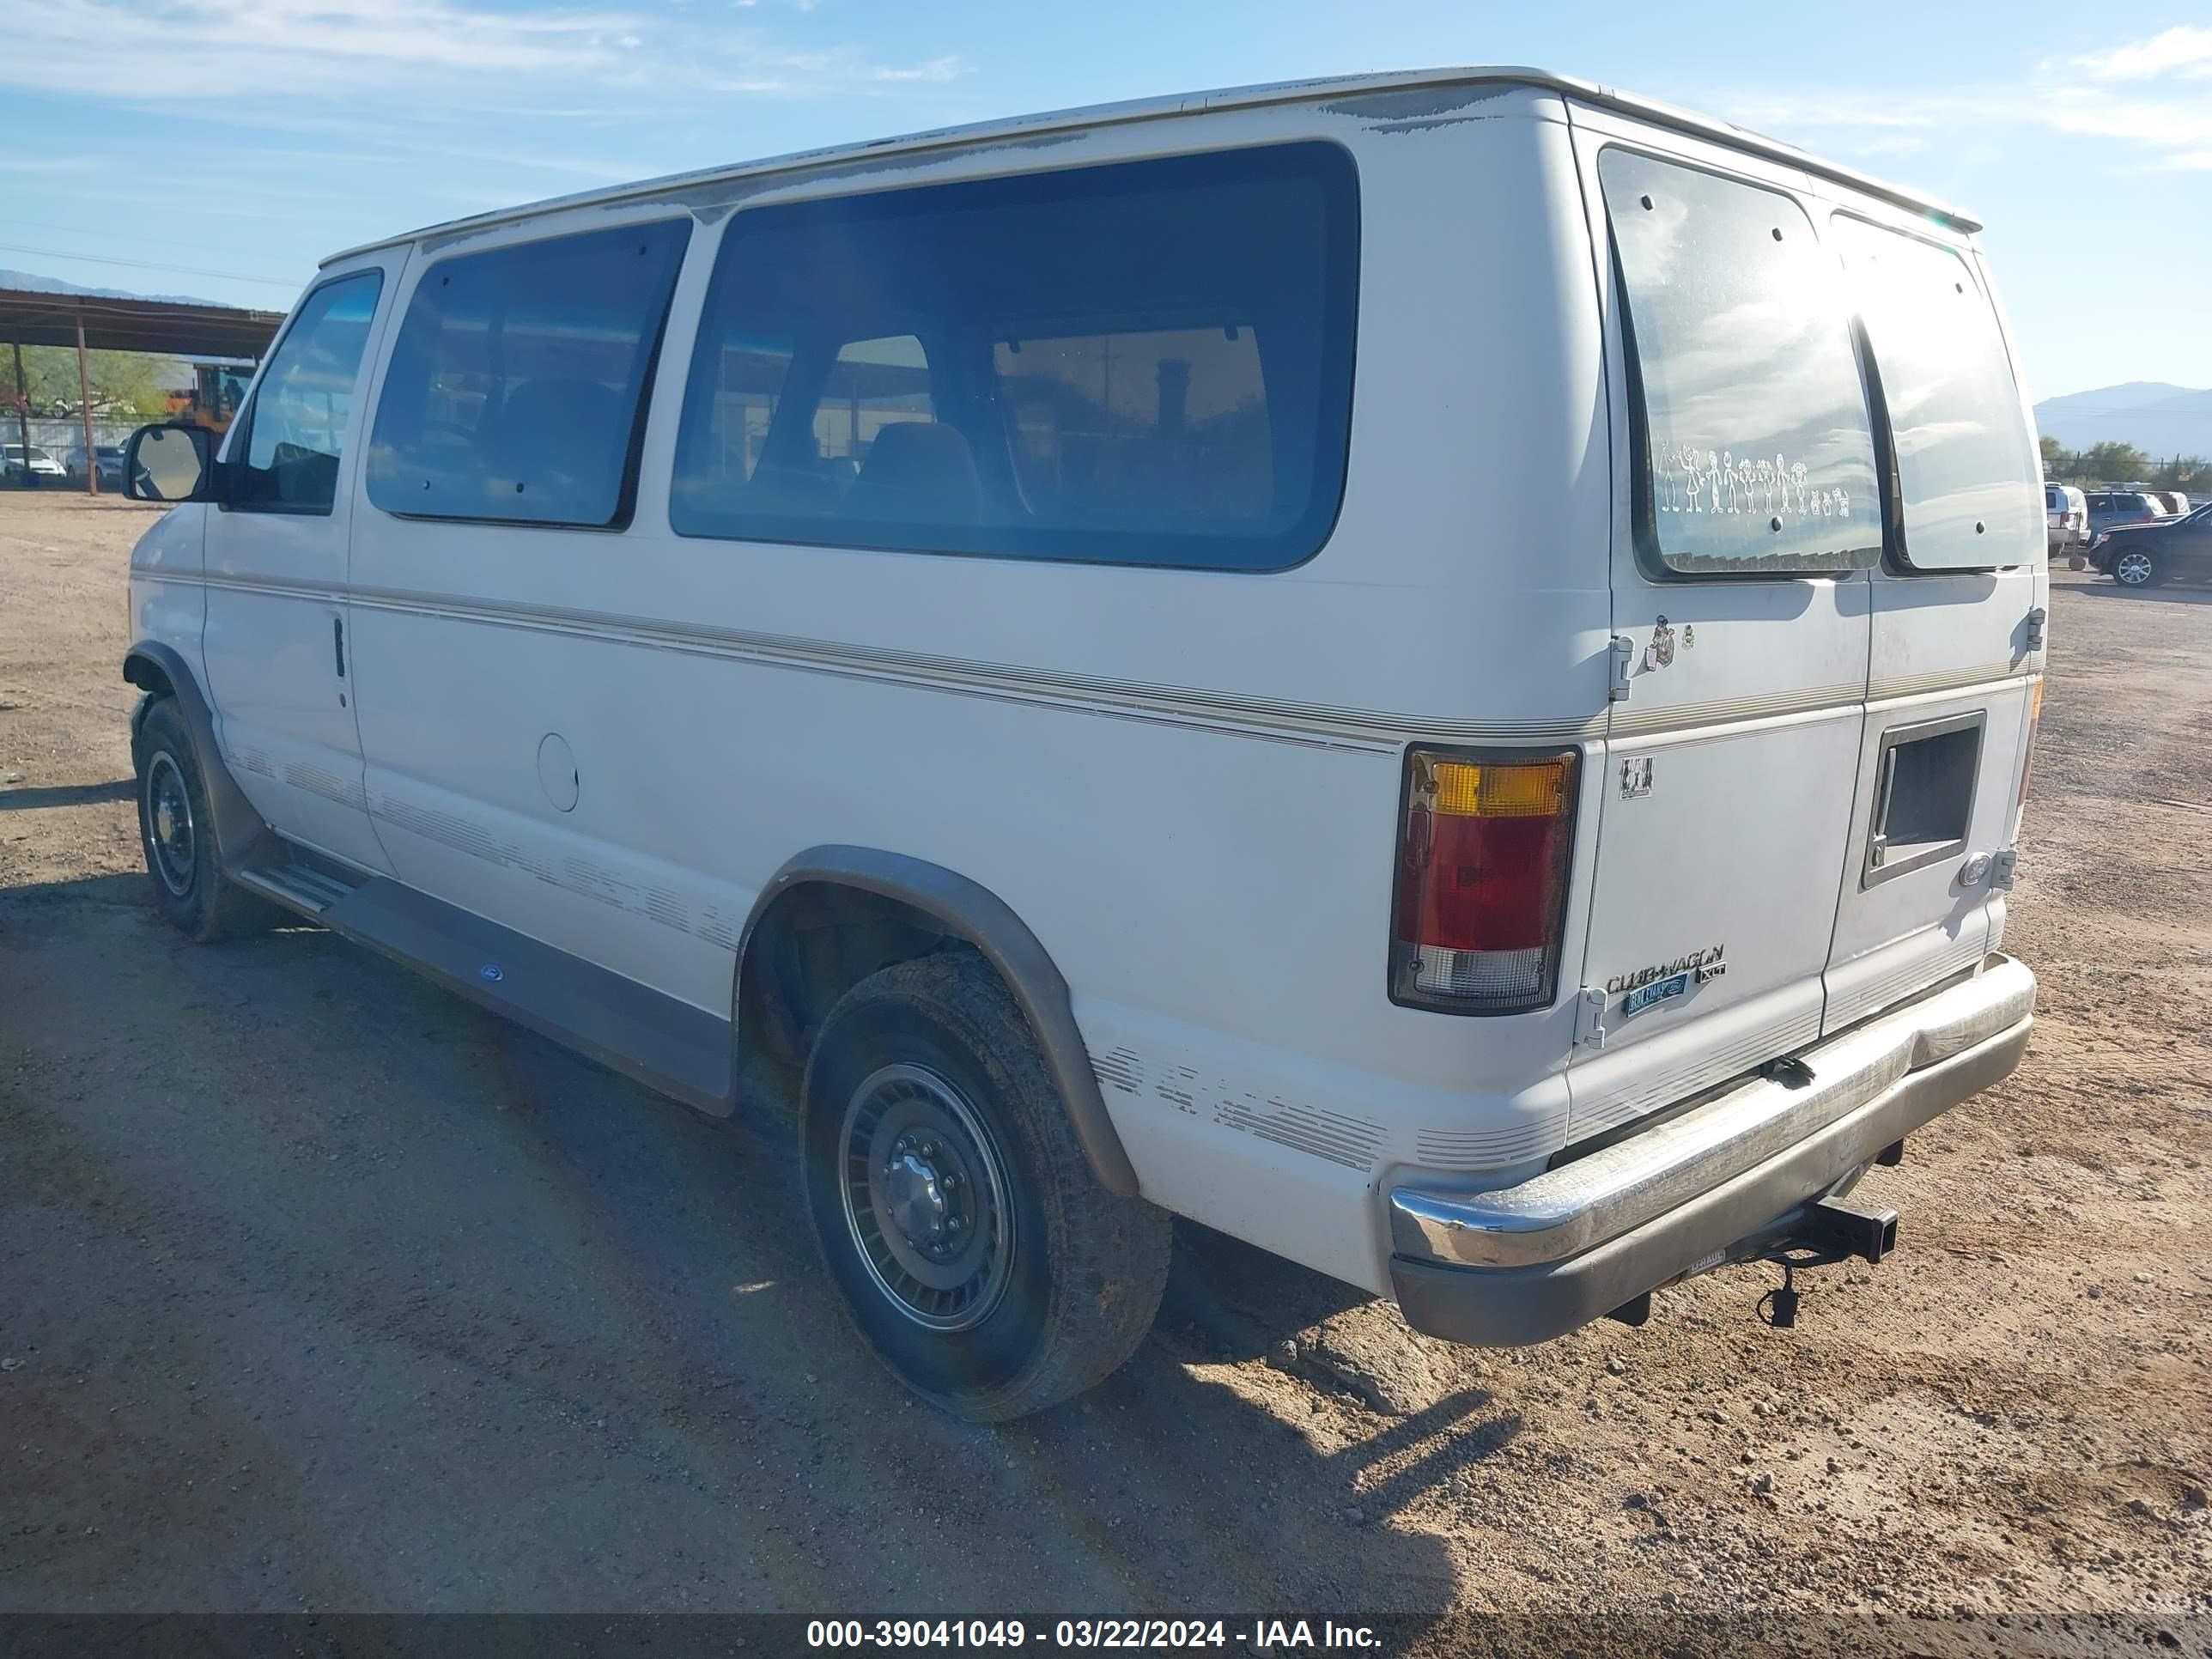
(1082, 1272)
(190, 889)
(2145, 566)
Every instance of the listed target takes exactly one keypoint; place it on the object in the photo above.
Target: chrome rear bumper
(1523, 1263)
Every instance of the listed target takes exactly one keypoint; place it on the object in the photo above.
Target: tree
(2184, 473)
(2054, 457)
(124, 384)
(2115, 462)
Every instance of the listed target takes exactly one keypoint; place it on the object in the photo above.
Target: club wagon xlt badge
(1664, 981)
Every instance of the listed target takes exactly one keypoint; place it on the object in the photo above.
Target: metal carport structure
(93, 322)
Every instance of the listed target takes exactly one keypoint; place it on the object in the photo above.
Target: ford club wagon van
(1434, 672)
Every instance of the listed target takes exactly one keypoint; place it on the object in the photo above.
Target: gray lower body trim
(1511, 1307)
(668, 1046)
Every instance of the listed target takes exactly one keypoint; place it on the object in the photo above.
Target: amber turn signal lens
(1510, 789)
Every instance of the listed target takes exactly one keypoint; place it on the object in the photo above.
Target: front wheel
(2138, 568)
(977, 1253)
(176, 831)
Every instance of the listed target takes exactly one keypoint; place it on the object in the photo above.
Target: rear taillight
(1482, 852)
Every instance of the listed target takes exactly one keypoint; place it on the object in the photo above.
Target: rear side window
(515, 388)
(1753, 451)
(1966, 463)
(1147, 363)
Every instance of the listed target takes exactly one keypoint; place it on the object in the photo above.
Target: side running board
(668, 1046)
(296, 887)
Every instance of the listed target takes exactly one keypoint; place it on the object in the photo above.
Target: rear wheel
(176, 834)
(977, 1253)
(2138, 568)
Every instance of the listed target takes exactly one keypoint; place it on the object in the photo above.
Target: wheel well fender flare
(159, 670)
(970, 912)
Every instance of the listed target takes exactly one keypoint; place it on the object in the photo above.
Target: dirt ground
(321, 1291)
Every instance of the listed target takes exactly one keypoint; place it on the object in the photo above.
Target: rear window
(1966, 463)
(515, 390)
(1148, 363)
(1753, 454)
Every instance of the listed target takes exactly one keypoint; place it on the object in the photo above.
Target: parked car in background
(2109, 508)
(2174, 501)
(109, 458)
(30, 473)
(2145, 555)
(2066, 513)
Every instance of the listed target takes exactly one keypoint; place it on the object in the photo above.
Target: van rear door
(1956, 634)
(1748, 521)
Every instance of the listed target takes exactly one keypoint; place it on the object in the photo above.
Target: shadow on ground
(338, 1292)
(68, 794)
(2166, 592)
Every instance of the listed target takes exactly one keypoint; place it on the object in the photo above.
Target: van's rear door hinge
(1624, 653)
(2004, 869)
(1589, 1018)
(2036, 618)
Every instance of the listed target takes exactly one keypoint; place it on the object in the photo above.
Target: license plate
(1660, 990)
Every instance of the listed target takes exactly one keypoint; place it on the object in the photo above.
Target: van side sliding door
(523, 718)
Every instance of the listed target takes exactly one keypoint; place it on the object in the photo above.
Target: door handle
(338, 642)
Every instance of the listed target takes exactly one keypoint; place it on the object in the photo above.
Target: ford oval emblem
(490, 970)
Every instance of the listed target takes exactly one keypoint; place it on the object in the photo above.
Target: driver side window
(286, 459)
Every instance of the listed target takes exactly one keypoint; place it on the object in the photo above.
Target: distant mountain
(2161, 420)
(36, 284)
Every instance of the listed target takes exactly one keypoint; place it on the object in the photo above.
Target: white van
(1435, 671)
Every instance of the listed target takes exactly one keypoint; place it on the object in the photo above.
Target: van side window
(294, 433)
(1966, 463)
(516, 388)
(1754, 452)
(1148, 362)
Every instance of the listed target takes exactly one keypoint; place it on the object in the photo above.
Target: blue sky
(250, 137)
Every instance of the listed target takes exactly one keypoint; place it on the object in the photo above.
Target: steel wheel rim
(924, 1189)
(2133, 568)
(170, 841)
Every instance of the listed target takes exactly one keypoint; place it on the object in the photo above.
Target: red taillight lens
(1482, 876)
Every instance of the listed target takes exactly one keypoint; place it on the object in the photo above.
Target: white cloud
(937, 68)
(2174, 125)
(2162, 123)
(2183, 51)
(163, 55)
(2190, 160)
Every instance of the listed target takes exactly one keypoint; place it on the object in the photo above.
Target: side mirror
(169, 464)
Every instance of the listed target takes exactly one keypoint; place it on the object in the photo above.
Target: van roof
(1150, 109)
